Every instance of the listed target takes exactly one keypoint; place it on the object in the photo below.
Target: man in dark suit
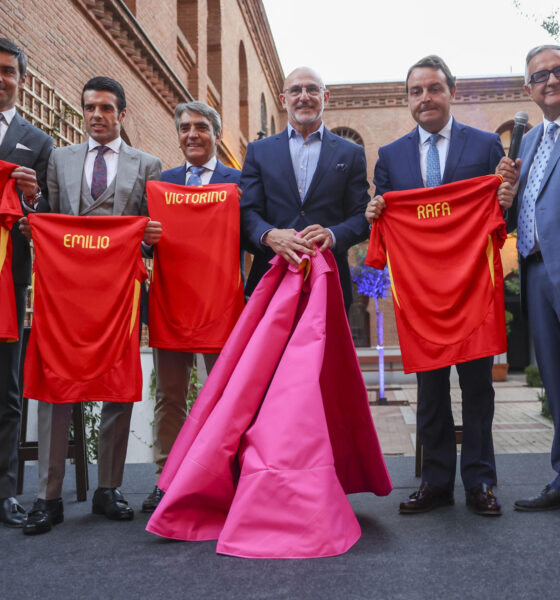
(25, 145)
(199, 128)
(536, 215)
(307, 180)
(102, 176)
(439, 151)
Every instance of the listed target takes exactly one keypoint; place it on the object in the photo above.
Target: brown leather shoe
(426, 498)
(483, 502)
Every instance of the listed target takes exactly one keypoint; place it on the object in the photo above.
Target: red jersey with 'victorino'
(442, 248)
(84, 342)
(196, 292)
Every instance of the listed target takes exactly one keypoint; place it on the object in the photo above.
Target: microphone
(519, 122)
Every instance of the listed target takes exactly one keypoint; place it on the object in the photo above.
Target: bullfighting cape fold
(10, 212)
(442, 247)
(196, 292)
(84, 341)
(280, 432)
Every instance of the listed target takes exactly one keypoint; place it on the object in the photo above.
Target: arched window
(243, 93)
(272, 126)
(264, 127)
(349, 134)
(214, 48)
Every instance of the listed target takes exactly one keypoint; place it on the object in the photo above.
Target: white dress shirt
(111, 157)
(205, 177)
(8, 115)
(442, 146)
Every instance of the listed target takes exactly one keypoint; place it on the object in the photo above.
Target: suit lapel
(413, 158)
(220, 174)
(73, 172)
(15, 132)
(554, 157)
(456, 146)
(284, 164)
(326, 158)
(127, 173)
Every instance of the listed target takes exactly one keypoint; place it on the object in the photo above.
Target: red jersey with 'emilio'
(84, 342)
(10, 212)
(196, 292)
(442, 246)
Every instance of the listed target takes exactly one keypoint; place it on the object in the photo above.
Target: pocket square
(341, 167)
(21, 147)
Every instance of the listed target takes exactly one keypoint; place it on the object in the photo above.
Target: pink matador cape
(281, 431)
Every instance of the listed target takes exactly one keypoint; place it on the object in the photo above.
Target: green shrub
(533, 376)
(545, 411)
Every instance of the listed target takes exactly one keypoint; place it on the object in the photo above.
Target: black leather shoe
(548, 499)
(12, 513)
(111, 503)
(483, 501)
(426, 498)
(152, 501)
(43, 515)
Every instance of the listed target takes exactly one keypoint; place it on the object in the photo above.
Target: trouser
(53, 428)
(173, 372)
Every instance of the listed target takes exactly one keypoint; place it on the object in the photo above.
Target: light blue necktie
(433, 173)
(526, 224)
(194, 175)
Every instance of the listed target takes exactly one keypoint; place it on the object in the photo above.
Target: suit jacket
(337, 198)
(65, 171)
(472, 153)
(221, 174)
(547, 212)
(36, 156)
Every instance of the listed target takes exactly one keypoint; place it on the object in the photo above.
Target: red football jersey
(10, 212)
(196, 292)
(86, 293)
(442, 248)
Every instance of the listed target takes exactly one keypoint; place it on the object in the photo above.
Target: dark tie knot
(101, 150)
(3, 118)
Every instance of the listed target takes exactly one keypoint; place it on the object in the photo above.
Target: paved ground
(518, 427)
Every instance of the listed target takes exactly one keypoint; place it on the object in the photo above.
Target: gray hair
(532, 53)
(203, 109)
(433, 62)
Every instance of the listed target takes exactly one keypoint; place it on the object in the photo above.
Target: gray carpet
(449, 553)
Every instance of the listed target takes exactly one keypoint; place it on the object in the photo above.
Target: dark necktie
(99, 176)
(194, 175)
(433, 172)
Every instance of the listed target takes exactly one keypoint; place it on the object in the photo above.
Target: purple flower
(371, 282)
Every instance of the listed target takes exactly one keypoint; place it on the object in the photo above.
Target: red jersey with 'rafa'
(86, 293)
(10, 212)
(442, 246)
(196, 292)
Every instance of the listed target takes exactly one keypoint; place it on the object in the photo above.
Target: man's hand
(26, 181)
(316, 234)
(506, 194)
(509, 169)
(24, 227)
(287, 244)
(152, 233)
(374, 208)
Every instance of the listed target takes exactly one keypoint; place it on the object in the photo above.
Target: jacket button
(302, 213)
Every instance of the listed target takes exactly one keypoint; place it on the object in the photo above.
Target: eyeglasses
(544, 75)
(297, 90)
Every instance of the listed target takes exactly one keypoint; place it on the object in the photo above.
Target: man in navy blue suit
(199, 128)
(536, 215)
(441, 150)
(307, 180)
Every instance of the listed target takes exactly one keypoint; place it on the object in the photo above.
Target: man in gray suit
(25, 145)
(536, 214)
(103, 176)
